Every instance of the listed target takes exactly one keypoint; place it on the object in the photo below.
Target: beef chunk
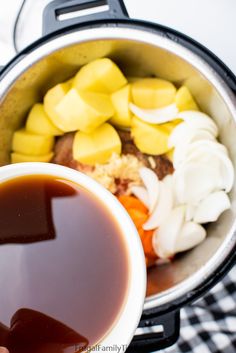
(63, 154)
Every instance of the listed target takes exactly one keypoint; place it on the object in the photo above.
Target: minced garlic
(124, 167)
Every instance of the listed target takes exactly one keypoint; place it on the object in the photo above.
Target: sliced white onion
(151, 182)
(178, 134)
(227, 172)
(199, 120)
(155, 116)
(169, 181)
(190, 235)
(218, 157)
(194, 181)
(207, 145)
(199, 134)
(190, 211)
(194, 135)
(197, 150)
(162, 209)
(211, 207)
(187, 132)
(141, 193)
(165, 237)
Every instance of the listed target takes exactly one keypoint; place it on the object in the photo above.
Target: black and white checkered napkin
(209, 325)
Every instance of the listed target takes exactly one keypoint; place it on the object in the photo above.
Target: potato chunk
(151, 93)
(25, 142)
(151, 139)
(19, 158)
(84, 111)
(101, 75)
(38, 122)
(52, 98)
(98, 146)
(184, 100)
(120, 100)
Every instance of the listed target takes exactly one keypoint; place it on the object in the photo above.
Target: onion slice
(181, 132)
(194, 181)
(190, 235)
(190, 211)
(197, 150)
(165, 237)
(155, 116)
(162, 208)
(141, 193)
(217, 156)
(151, 183)
(199, 120)
(211, 207)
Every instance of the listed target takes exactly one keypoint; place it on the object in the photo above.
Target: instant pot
(78, 31)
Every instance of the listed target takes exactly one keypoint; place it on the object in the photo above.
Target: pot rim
(56, 41)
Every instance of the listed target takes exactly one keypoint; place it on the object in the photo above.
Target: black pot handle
(61, 13)
(156, 333)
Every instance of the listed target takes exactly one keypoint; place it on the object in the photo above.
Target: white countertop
(211, 22)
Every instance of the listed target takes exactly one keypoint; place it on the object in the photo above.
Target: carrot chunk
(138, 217)
(147, 244)
(132, 202)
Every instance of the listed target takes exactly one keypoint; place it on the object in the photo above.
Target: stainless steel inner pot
(139, 53)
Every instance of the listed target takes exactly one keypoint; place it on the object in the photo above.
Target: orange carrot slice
(147, 244)
(138, 217)
(132, 202)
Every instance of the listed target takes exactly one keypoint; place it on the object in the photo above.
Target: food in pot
(101, 75)
(152, 93)
(39, 123)
(28, 143)
(149, 138)
(20, 158)
(52, 98)
(143, 139)
(96, 147)
(84, 111)
(120, 99)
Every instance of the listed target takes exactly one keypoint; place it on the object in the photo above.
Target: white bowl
(122, 330)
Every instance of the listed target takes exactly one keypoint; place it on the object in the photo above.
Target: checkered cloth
(209, 325)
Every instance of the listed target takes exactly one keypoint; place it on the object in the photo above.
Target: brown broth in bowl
(63, 266)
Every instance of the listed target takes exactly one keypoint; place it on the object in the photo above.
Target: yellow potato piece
(101, 75)
(132, 79)
(70, 81)
(25, 142)
(19, 158)
(184, 100)
(151, 93)
(120, 100)
(151, 139)
(85, 111)
(38, 122)
(170, 154)
(98, 146)
(52, 98)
